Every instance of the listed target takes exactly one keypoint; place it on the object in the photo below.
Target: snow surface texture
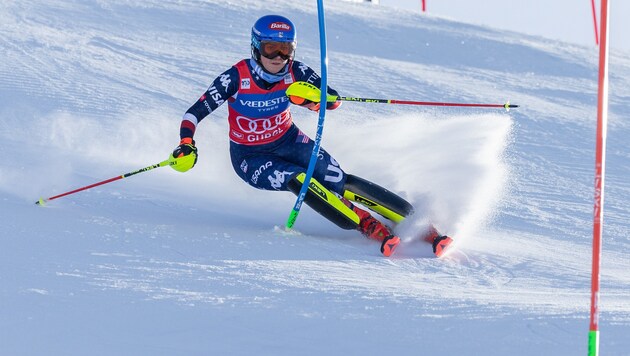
(165, 263)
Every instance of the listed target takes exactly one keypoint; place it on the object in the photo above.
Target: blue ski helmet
(274, 28)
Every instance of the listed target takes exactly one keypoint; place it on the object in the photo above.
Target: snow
(165, 263)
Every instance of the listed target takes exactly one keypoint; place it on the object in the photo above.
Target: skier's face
(273, 65)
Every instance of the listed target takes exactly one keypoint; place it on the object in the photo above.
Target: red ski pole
(506, 106)
(41, 201)
(299, 91)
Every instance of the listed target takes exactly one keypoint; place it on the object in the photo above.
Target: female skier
(268, 151)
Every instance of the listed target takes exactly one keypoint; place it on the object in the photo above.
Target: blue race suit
(266, 148)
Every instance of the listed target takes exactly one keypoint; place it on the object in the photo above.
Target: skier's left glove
(331, 105)
(184, 157)
(309, 96)
(298, 100)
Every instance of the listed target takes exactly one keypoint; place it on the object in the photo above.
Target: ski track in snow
(92, 90)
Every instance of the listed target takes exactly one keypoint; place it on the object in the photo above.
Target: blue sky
(567, 20)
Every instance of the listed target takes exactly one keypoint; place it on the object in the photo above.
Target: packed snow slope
(164, 263)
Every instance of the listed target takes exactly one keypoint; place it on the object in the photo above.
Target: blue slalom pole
(322, 114)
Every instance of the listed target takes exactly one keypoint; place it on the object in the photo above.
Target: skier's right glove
(184, 157)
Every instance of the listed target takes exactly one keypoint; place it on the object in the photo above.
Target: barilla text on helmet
(280, 26)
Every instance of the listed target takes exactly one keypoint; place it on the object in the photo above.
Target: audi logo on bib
(247, 130)
(258, 126)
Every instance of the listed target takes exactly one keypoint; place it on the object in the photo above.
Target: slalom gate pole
(42, 201)
(595, 22)
(506, 106)
(600, 165)
(322, 114)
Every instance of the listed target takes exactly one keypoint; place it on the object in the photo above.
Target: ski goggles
(273, 49)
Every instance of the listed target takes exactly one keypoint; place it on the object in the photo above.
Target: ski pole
(310, 92)
(41, 201)
(507, 105)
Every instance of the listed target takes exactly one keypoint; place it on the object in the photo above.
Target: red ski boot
(440, 243)
(374, 229)
(389, 245)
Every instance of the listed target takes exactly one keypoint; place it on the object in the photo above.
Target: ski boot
(439, 242)
(374, 229)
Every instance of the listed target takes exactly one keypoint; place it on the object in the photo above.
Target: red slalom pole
(595, 22)
(600, 164)
(424, 6)
(41, 201)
